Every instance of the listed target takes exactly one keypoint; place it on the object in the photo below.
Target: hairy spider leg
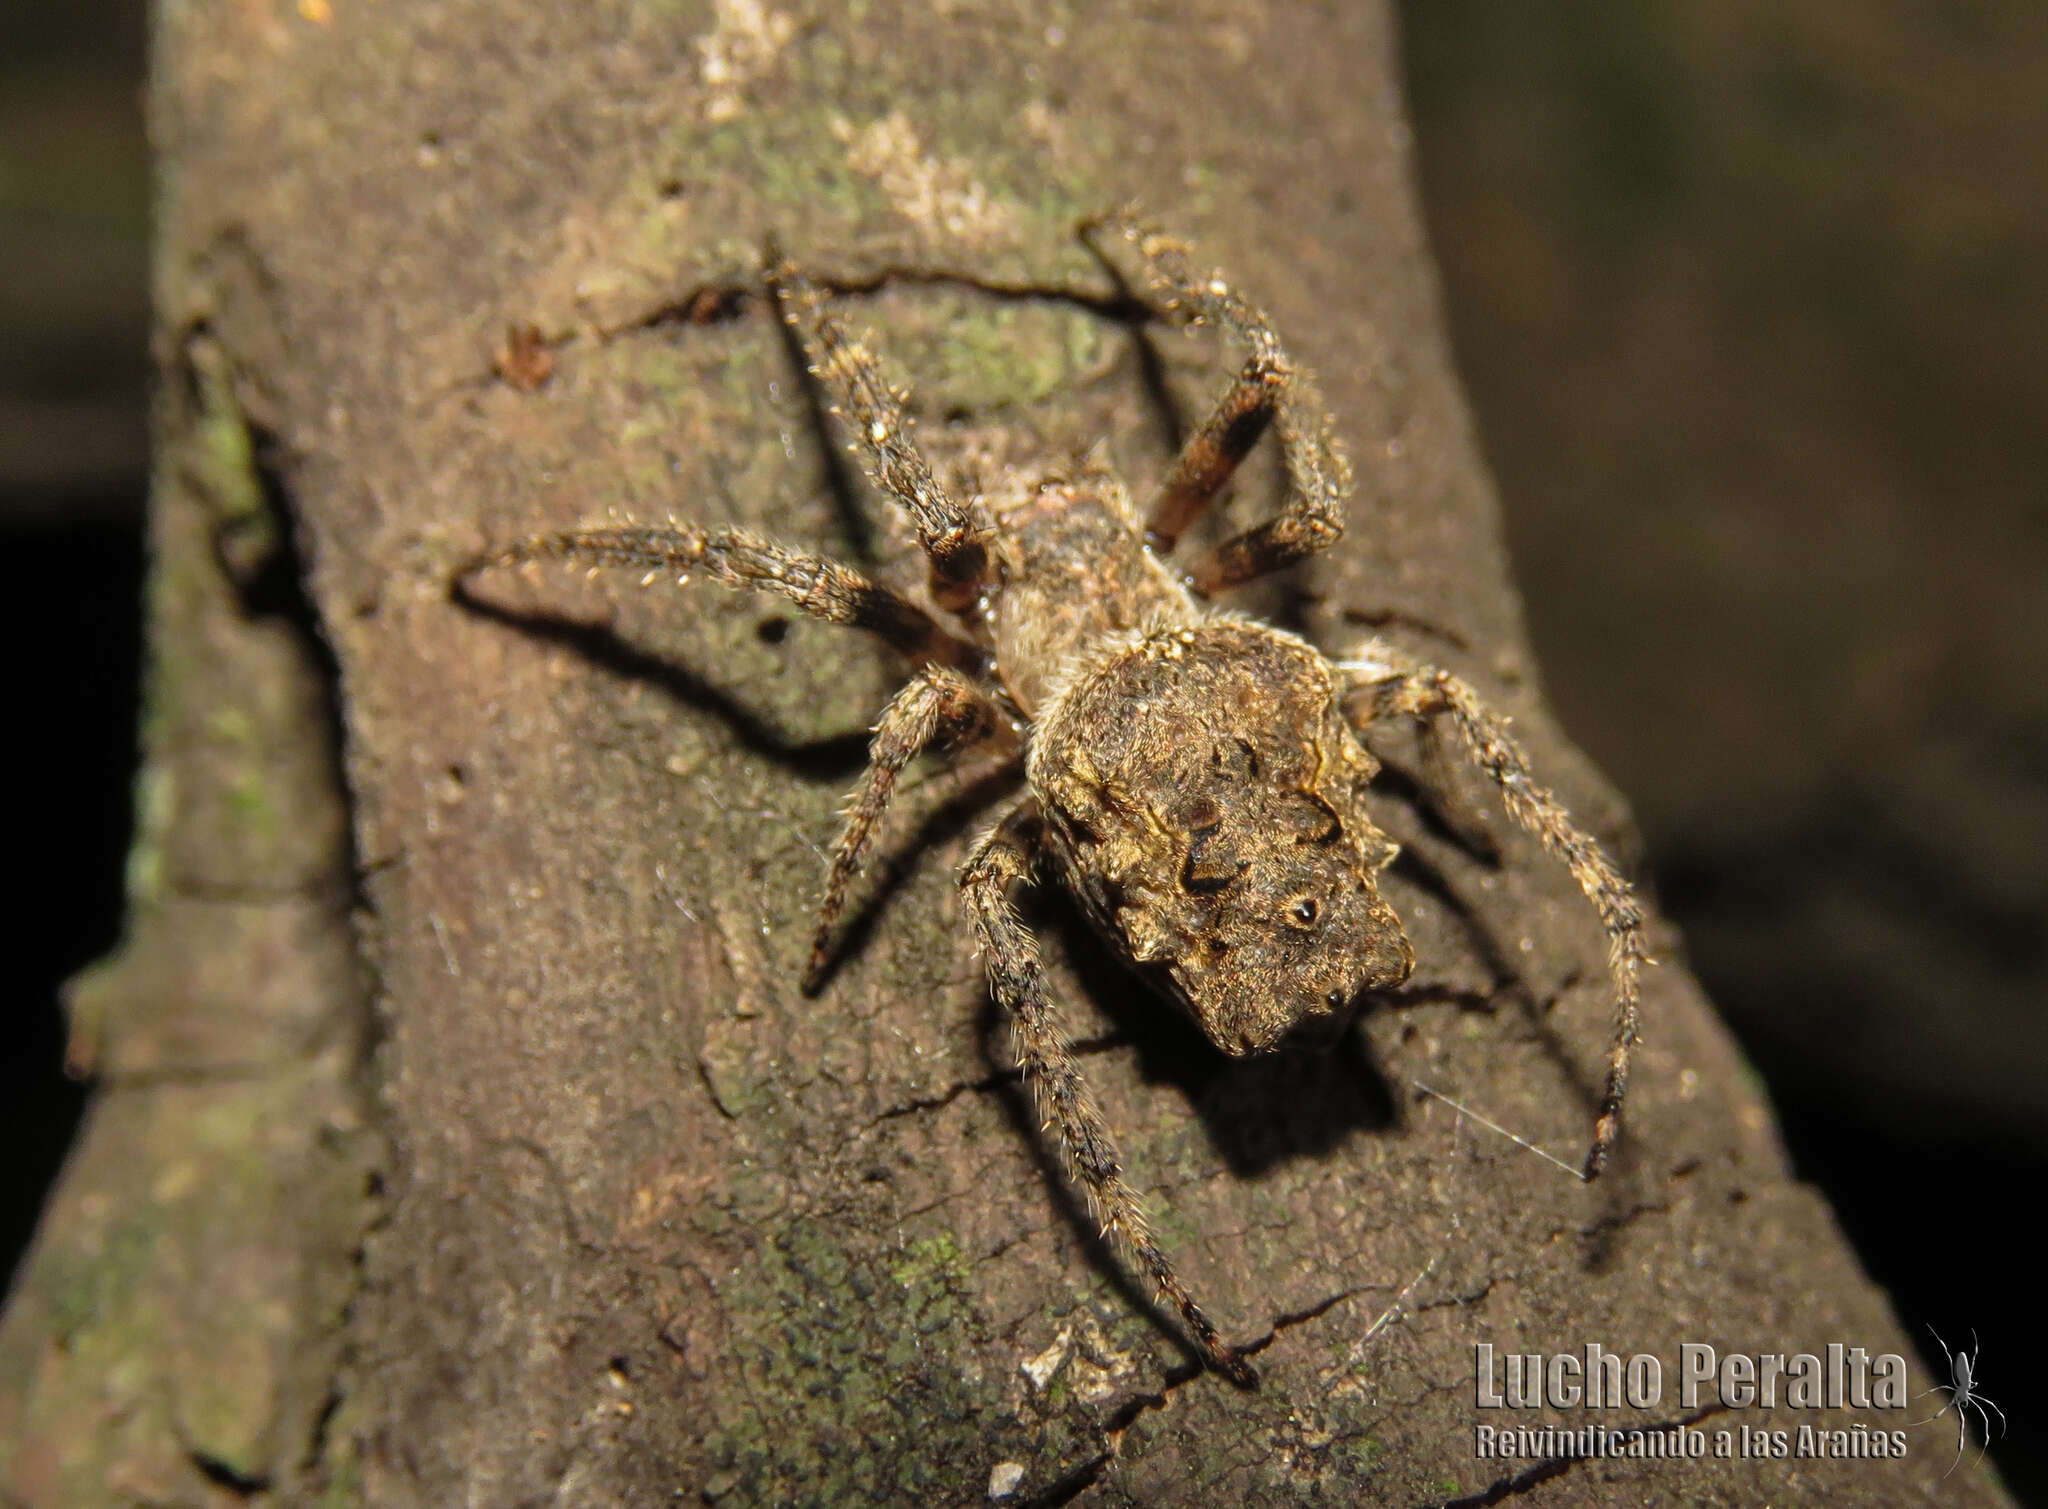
(1065, 1104)
(939, 707)
(819, 587)
(1269, 390)
(953, 535)
(1395, 686)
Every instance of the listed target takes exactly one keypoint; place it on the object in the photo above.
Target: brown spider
(1195, 778)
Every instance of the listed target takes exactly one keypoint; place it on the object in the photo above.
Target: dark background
(74, 460)
(1752, 302)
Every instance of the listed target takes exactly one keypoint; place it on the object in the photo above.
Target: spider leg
(1269, 390)
(952, 534)
(823, 589)
(1939, 1388)
(1393, 685)
(1001, 860)
(938, 706)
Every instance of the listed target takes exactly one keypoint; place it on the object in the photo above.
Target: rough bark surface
(647, 1225)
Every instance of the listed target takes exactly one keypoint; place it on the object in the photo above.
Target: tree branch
(654, 1223)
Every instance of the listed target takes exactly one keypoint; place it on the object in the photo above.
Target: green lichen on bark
(190, 1277)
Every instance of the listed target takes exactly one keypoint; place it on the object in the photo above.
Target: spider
(1963, 1396)
(1195, 778)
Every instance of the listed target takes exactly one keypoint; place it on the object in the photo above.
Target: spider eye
(1303, 911)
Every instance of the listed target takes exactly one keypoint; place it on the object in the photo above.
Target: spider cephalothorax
(1195, 778)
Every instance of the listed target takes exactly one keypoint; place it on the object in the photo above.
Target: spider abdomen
(1202, 796)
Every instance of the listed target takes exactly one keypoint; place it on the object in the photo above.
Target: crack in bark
(1071, 1484)
(1084, 1475)
(1541, 1472)
(1444, 1302)
(1288, 1320)
(938, 1100)
(1397, 618)
(712, 303)
(1608, 1225)
(721, 301)
(223, 1475)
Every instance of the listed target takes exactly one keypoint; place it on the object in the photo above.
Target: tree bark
(567, 1193)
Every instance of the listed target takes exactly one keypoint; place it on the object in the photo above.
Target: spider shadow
(1302, 1100)
(864, 535)
(1280, 598)
(1127, 308)
(1424, 873)
(837, 758)
(892, 864)
(851, 491)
